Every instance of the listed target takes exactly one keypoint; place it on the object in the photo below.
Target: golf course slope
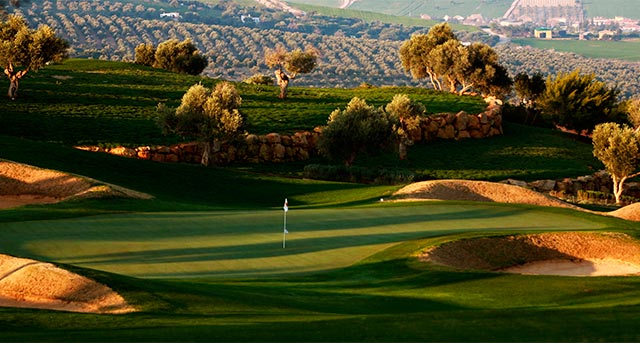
(22, 184)
(559, 253)
(33, 284)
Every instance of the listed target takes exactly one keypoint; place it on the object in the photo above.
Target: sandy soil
(21, 184)
(559, 253)
(33, 284)
(629, 212)
(476, 191)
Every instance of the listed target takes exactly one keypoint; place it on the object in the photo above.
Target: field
(489, 9)
(203, 260)
(623, 50)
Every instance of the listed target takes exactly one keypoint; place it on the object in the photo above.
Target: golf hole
(569, 254)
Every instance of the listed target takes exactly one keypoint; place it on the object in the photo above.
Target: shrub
(259, 79)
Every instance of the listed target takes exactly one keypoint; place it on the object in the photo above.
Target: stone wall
(274, 147)
(569, 188)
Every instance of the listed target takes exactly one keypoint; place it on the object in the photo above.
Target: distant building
(606, 34)
(543, 33)
(173, 15)
(243, 18)
(543, 12)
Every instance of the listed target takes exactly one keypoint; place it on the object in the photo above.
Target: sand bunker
(476, 191)
(629, 212)
(21, 184)
(33, 284)
(496, 192)
(565, 253)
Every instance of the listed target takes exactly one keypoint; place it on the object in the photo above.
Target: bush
(358, 129)
(259, 79)
(342, 173)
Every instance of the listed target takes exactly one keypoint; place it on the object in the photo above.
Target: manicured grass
(389, 296)
(249, 243)
(623, 50)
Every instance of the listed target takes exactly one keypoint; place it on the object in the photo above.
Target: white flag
(286, 205)
(286, 231)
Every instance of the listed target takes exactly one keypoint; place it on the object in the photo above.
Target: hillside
(353, 51)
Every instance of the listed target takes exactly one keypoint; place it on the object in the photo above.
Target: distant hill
(488, 8)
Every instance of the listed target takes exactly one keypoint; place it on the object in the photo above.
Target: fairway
(249, 243)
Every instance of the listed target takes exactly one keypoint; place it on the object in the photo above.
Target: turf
(249, 243)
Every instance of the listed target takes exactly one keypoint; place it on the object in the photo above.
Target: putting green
(249, 243)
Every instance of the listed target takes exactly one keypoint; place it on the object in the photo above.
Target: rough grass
(110, 103)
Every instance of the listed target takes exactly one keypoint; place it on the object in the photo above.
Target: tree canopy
(453, 66)
(579, 102)
(173, 55)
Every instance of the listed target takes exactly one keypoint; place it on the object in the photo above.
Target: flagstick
(284, 232)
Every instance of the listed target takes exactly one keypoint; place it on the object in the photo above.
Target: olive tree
(618, 148)
(210, 116)
(406, 113)
(23, 49)
(294, 62)
(358, 129)
(633, 112)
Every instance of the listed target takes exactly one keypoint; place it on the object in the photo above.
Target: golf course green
(206, 259)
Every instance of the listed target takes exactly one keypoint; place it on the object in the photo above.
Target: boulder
(447, 132)
(273, 138)
(462, 121)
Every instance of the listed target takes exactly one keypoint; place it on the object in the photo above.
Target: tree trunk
(618, 183)
(283, 81)
(206, 154)
(14, 80)
(402, 150)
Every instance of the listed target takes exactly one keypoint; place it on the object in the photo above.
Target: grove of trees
(451, 65)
